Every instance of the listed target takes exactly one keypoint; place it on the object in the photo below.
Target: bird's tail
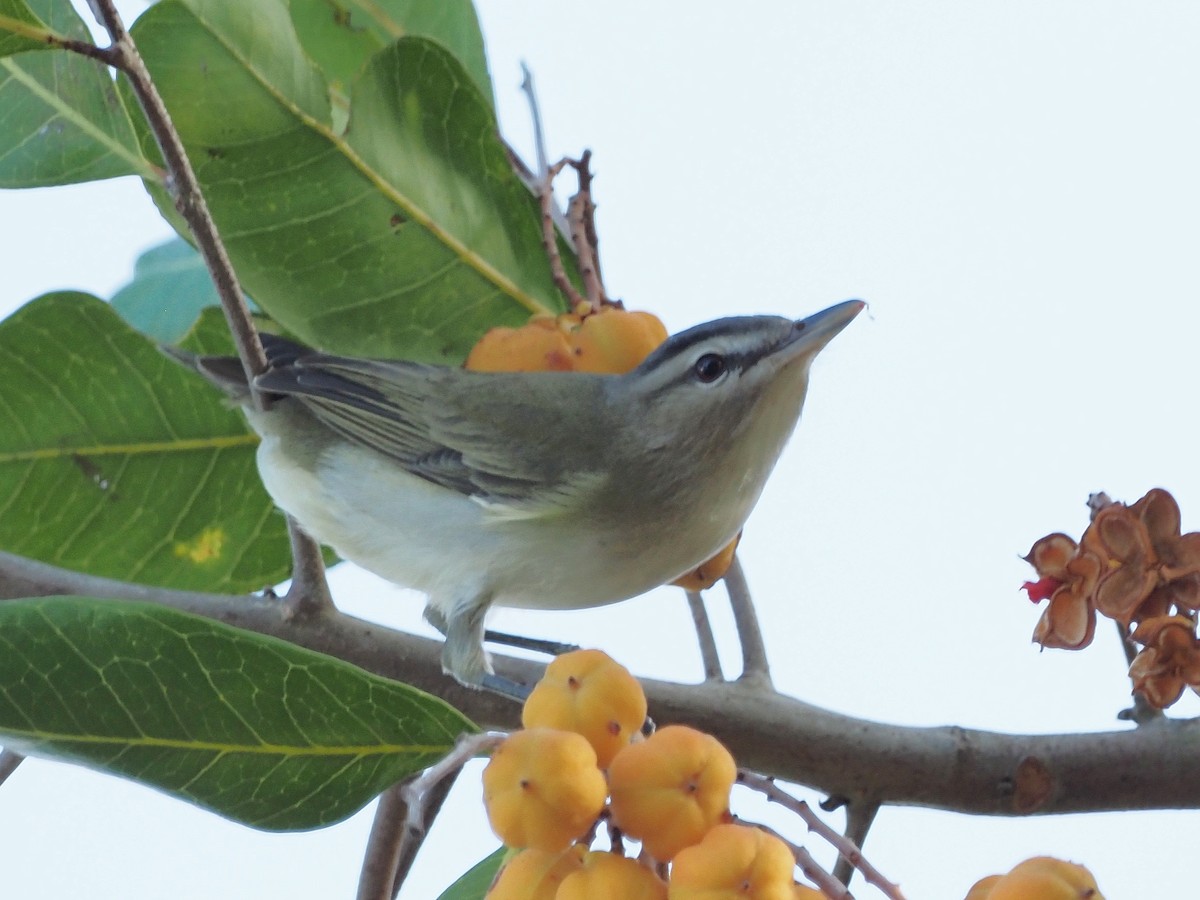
(227, 372)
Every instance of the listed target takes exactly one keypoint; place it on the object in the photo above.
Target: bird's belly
(438, 541)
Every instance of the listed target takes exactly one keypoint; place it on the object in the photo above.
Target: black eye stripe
(709, 367)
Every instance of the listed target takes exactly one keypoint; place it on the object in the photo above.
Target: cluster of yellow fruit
(581, 752)
(1040, 878)
(606, 341)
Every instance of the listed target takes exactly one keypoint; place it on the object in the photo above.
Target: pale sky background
(1013, 186)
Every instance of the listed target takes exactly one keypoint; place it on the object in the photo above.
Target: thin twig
(418, 791)
(550, 236)
(768, 788)
(581, 214)
(308, 569)
(1142, 712)
(829, 885)
(535, 113)
(705, 637)
(392, 847)
(411, 841)
(185, 189)
(403, 815)
(308, 594)
(9, 760)
(378, 873)
(755, 667)
(860, 816)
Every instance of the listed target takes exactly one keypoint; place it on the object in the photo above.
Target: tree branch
(951, 768)
(705, 637)
(755, 667)
(184, 187)
(309, 589)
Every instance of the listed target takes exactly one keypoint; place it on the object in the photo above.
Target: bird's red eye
(709, 367)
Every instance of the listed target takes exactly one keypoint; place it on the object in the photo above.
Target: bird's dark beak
(809, 336)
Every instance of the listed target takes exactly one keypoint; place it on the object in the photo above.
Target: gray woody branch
(853, 760)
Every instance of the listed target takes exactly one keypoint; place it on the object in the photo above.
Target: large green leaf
(407, 236)
(474, 883)
(21, 29)
(117, 461)
(340, 35)
(61, 121)
(256, 729)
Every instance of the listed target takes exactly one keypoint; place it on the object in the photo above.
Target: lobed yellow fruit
(606, 876)
(530, 348)
(982, 889)
(615, 341)
(589, 693)
(1045, 878)
(710, 571)
(610, 341)
(535, 874)
(671, 788)
(734, 862)
(800, 892)
(542, 789)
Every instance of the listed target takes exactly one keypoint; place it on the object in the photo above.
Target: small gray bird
(538, 490)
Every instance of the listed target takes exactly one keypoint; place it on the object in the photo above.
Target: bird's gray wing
(486, 436)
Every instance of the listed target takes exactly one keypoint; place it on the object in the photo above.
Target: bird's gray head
(721, 378)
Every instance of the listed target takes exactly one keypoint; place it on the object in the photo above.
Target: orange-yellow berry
(710, 571)
(982, 889)
(800, 892)
(734, 862)
(671, 788)
(530, 348)
(535, 874)
(1046, 878)
(589, 693)
(606, 876)
(608, 341)
(614, 341)
(542, 789)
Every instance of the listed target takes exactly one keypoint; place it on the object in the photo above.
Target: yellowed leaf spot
(205, 547)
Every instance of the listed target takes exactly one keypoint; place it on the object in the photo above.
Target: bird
(534, 490)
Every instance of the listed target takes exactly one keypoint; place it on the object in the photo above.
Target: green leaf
(170, 287)
(474, 883)
(408, 236)
(258, 730)
(61, 121)
(21, 29)
(341, 35)
(117, 461)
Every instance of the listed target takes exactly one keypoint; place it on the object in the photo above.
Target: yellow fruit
(734, 862)
(614, 341)
(671, 788)
(587, 692)
(800, 892)
(535, 874)
(605, 876)
(530, 348)
(542, 789)
(982, 889)
(1046, 878)
(711, 571)
(611, 341)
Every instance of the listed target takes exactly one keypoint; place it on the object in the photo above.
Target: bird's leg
(463, 655)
